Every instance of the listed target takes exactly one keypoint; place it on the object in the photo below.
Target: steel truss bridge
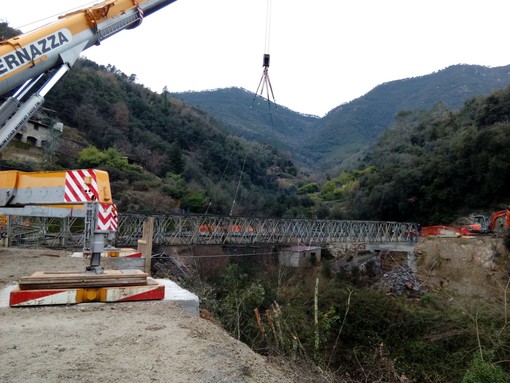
(192, 230)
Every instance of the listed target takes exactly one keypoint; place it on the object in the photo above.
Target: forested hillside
(351, 127)
(323, 144)
(433, 165)
(255, 118)
(237, 154)
(162, 154)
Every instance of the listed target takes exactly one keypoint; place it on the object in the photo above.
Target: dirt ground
(468, 267)
(118, 342)
(160, 342)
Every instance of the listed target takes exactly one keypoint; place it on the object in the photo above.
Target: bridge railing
(209, 229)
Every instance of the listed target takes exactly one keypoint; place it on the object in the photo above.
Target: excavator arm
(52, 50)
(496, 217)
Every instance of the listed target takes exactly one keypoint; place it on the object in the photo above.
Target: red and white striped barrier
(108, 218)
(44, 297)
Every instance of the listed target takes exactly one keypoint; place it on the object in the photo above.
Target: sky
(323, 52)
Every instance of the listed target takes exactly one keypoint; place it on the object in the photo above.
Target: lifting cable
(238, 184)
(264, 87)
(265, 83)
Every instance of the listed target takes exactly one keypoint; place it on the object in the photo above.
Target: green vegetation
(427, 167)
(309, 188)
(6, 31)
(162, 155)
(484, 372)
(255, 119)
(340, 187)
(432, 165)
(361, 333)
(387, 156)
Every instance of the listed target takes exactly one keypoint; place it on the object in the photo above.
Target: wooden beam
(145, 244)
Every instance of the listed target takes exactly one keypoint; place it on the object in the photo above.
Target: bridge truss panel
(189, 230)
(46, 231)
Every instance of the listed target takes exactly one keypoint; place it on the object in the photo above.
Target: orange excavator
(499, 222)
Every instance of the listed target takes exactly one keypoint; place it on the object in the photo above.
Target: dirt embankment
(121, 342)
(475, 267)
(468, 267)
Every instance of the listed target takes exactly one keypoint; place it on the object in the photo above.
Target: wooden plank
(85, 275)
(57, 280)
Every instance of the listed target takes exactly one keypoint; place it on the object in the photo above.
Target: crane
(45, 54)
(73, 193)
(30, 65)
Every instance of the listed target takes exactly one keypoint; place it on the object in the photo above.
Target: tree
(239, 297)
(194, 202)
(52, 144)
(120, 113)
(176, 159)
(311, 187)
(92, 157)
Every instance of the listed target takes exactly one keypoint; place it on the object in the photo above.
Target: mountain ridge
(348, 129)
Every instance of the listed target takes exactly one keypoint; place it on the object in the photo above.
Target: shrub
(484, 372)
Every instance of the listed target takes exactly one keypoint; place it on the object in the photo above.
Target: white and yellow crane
(30, 65)
(47, 53)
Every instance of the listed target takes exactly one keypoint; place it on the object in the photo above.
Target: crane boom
(53, 50)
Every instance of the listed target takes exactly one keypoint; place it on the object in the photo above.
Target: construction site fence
(189, 230)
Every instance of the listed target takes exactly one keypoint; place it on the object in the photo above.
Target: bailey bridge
(192, 230)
